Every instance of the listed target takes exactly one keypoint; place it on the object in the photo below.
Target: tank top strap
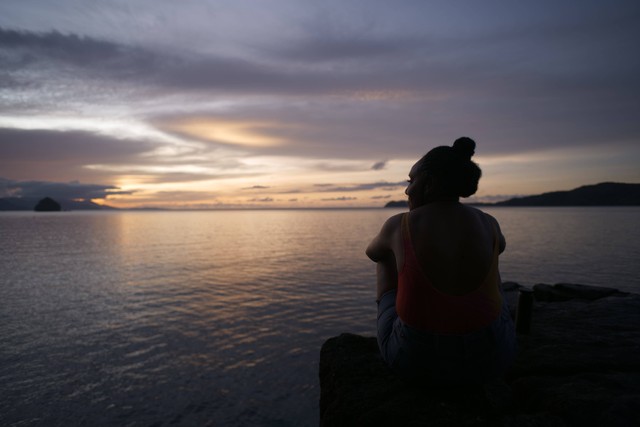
(406, 233)
(496, 241)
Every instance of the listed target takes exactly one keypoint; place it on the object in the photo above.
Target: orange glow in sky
(224, 132)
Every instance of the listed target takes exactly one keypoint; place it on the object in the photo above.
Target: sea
(216, 318)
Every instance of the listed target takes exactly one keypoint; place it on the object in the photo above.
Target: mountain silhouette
(603, 194)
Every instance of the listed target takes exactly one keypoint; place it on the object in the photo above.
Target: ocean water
(217, 317)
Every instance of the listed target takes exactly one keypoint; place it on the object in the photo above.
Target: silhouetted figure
(47, 205)
(442, 316)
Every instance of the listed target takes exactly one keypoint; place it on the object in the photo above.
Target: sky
(267, 104)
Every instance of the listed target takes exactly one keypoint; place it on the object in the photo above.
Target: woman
(441, 312)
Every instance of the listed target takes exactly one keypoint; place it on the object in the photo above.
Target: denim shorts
(473, 358)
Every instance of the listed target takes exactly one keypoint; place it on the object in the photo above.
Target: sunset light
(253, 134)
(193, 106)
(319, 212)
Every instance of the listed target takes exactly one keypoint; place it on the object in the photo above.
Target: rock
(47, 205)
(511, 286)
(580, 362)
(569, 291)
(357, 389)
(578, 366)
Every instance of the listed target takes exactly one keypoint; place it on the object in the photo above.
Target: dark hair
(451, 169)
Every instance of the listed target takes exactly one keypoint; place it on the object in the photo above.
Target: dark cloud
(72, 56)
(50, 145)
(59, 154)
(339, 199)
(163, 71)
(379, 165)
(387, 186)
(334, 188)
(54, 45)
(63, 155)
(111, 60)
(256, 187)
(292, 191)
(57, 190)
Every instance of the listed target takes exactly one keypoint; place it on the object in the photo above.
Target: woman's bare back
(454, 245)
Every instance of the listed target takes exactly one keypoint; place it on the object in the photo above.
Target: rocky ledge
(578, 366)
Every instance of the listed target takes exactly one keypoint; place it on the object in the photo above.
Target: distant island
(603, 194)
(30, 203)
(47, 205)
(397, 204)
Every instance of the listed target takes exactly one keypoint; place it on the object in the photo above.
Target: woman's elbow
(379, 254)
(371, 253)
(375, 251)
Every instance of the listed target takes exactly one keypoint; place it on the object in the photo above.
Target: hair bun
(465, 147)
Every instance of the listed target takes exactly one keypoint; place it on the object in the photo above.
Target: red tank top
(420, 305)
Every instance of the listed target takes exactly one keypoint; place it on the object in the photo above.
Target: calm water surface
(217, 318)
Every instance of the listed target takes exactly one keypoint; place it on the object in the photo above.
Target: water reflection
(117, 318)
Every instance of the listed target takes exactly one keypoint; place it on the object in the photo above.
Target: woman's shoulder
(481, 214)
(386, 240)
(491, 224)
(394, 222)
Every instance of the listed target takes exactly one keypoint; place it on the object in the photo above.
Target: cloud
(387, 186)
(403, 64)
(335, 188)
(81, 51)
(379, 165)
(335, 48)
(70, 155)
(173, 197)
(88, 57)
(392, 95)
(327, 54)
(53, 145)
(262, 200)
(256, 187)
(339, 199)
(58, 154)
(168, 71)
(57, 190)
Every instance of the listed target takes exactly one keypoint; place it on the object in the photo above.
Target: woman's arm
(381, 250)
(381, 247)
(386, 277)
(502, 242)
